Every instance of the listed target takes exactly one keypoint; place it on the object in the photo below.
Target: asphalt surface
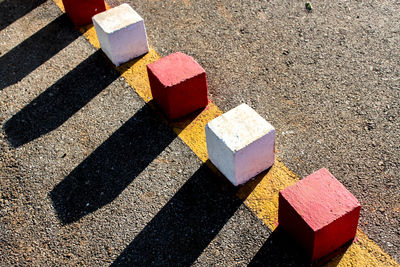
(328, 80)
(90, 174)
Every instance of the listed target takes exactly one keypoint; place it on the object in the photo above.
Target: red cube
(178, 85)
(320, 213)
(82, 11)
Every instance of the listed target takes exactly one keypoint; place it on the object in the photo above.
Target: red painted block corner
(82, 11)
(178, 85)
(320, 213)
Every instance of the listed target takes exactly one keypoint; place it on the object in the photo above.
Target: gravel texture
(91, 176)
(327, 79)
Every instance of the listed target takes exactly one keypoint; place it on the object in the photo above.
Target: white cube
(121, 33)
(241, 144)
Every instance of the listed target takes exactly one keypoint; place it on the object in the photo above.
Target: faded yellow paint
(224, 12)
(60, 5)
(261, 194)
(187, 3)
(135, 73)
(90, 33)
(192, 131)
(364, 252)
(263, 199)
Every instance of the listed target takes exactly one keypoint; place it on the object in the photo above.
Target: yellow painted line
(60, 5)
(261, 194)
(192, 132)
(263, 198)
(90, 33)
(364, 252)
(135, 73)
(263, 201)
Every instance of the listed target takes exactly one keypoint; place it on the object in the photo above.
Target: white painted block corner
(121, 34)
(241, 144)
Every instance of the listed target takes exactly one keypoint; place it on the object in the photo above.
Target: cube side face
(188, 96)
(255, 158)
(103, 38)
(321, 199)
(291, 222)
(220, 155)
(336, 234)
(158, 91)
(81, 12)
(128, 43)
(328, 208)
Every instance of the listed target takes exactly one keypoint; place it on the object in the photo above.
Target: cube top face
(320, 199)
(240, 127)
(81, 12)
(117, 18)
(175, 68)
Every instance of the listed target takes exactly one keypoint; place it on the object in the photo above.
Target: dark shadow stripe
(186, 225)
(37, 49)
(101, 177)
(12, 10)
(60, 101)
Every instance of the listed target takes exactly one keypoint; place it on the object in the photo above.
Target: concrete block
(178, 85)
(241, 144)
(81, 12)
(320, 213)
(121, 33)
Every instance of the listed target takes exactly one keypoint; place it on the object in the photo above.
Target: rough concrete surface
(320, 212)
(241, 144)
(121, 34)
(91, 176)
(178, 85)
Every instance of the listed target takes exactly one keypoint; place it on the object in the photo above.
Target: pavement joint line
(260, 194)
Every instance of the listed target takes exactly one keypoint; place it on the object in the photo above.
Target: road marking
(260, 195)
